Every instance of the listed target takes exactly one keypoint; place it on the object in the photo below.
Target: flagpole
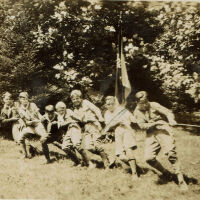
(118, 55)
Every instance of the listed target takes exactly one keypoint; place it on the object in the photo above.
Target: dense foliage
(49, 47)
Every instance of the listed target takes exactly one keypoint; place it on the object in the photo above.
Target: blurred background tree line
(49, 47)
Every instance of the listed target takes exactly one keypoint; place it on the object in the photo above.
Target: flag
(122, 83)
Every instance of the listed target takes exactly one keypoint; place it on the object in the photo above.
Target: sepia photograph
(100, 99)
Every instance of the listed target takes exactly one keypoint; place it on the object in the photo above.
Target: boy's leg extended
(68, 148)
(93, 143)
(44, 142)
(130, 146)
(45, 139)
(152, 148)
(125, 146)
(170, 150)
(76, 139)
(21, 139)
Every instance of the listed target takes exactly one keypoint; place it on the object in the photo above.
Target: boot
(86, 159)
(45, 150)
(23, 149)
(29, 150)
(72, 154)
(165, 173)
(104, 159)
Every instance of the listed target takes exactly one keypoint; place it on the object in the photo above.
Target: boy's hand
(172, 122)
(43, 118)
(14, 119)
(29, 123)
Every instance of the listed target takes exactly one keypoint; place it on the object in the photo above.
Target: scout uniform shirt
(120, 121)
(29, 113)
(155, 113)
(51, 128)
(65, 121)
(8, 112)
(88, 112)
(120, 116)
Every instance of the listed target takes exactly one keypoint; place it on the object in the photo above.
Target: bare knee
(123, 158)
(130, 154)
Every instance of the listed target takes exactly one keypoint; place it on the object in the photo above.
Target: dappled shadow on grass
(99, 164)
(34, 151)
(190, 180)
(140, 170)
(173, 178)
(59, 156)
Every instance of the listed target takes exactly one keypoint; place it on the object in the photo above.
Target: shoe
(183, 186)
(49, 161)
(112, 163)
(134, 177)
(91, 165)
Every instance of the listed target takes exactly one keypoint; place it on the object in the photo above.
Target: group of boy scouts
(85, 121)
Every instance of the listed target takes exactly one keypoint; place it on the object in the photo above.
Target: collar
(7, 107)
(25, 107)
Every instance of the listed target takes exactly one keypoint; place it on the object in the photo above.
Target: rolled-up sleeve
(94, 109)
(164, 111)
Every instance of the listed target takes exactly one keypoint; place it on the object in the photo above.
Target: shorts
(16, 132)
(72, 138)
(157, 139)
(37, 130)
(91, 136)
(124, 139)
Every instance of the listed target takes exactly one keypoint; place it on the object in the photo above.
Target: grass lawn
(32, 179)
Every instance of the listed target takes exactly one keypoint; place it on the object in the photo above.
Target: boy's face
(110, 105)
(143, 106)
(61, 110)
(23, 100)
(50, 114)
(76, 100)
(8, 101)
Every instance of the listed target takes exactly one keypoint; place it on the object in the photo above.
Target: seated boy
(10, 118)
(31, 117)
(69, 133)
(119, 120)
(91, 118)
(154, 118)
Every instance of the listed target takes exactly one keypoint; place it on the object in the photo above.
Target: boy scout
(31, 117)
(69, 133)
(119, 120)
(90, 117)
(10, 117)
(151, 116)
(49, 119)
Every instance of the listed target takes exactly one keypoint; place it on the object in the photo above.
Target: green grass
(31, 179)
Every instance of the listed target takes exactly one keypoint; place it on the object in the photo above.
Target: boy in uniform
(90, 117)
(10, 117)
(119, 120)
(31, 117)
(69, 133)
(49, 120)
(152, 117)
